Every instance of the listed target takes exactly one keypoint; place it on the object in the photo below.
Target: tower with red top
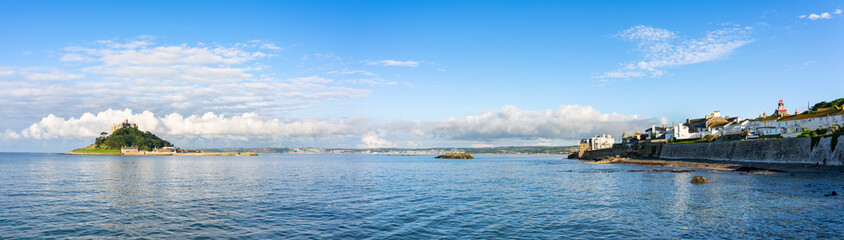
(781, 111)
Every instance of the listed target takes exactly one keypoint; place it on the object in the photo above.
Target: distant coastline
(561, 150)
(166, 154)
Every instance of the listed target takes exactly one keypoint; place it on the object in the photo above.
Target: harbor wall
(617, 150)
(786, 150)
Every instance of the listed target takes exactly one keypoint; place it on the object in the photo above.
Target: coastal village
(781, 124)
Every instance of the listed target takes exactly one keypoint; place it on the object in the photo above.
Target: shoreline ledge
(743, 167)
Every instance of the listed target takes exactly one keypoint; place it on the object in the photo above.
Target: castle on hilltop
(124, 124)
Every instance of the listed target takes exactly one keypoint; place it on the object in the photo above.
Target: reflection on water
(369, 196)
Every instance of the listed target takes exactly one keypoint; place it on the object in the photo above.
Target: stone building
(129, 150)
(124, 124)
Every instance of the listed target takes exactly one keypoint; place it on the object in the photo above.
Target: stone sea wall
(786, 150)
(617, 149)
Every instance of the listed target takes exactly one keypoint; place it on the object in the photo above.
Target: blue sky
(402, 73)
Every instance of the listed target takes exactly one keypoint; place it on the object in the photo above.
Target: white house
(793, 125)
(736, 127)
(678, 132)
(599, 142)
(764, 126)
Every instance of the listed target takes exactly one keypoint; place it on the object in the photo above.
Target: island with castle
(126, 139)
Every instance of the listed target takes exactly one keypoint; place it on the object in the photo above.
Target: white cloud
(394, 63)
(7, 71)
(646, 34)
(351, 72)
(566, 122)
(242, 127)
(507, 126)
(48, 74)
(74, 57)
(9, 134)
(662, 49)
(372, 140)
(481, 145)
(824, 15)
(139, 43)
(183, 63)
(190, 79)
(270, 46)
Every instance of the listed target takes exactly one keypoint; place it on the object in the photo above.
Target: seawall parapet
(786, 150)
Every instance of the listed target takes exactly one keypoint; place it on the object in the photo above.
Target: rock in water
(699, 179)
(456, 156)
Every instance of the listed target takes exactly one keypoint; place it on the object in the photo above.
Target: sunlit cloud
(186, 78)
(565, 122)
(394, 63)
(662, 49)
(505, 126)
(824, 15)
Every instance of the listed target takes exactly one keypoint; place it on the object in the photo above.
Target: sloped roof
(699, 122)
(719, 124)
(768, 118)
(716, 120)
(830, 112)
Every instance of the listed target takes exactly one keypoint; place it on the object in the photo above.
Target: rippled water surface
(376, 196)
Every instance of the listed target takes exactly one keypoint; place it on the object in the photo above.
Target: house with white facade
(792, 126)
(736, 127)
(711, 124)
(764, 126)
(655, 132)
(678, 132)
(598, 142)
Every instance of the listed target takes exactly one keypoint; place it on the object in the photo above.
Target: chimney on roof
(796, 111)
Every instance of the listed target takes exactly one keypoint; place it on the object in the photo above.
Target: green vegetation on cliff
(833, 131)
(825, 104)
(130, 137)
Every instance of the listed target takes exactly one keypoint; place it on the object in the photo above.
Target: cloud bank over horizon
(186, 78)
(509, 123)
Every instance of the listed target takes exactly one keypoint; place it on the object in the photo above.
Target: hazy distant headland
(406, 151)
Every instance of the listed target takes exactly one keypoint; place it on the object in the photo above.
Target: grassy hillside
(130, 137)
(93, 149)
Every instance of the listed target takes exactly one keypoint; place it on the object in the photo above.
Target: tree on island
(130, 137)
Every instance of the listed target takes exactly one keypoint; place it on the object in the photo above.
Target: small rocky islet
(456, 156)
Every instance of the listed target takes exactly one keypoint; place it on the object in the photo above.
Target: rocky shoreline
(718, 166)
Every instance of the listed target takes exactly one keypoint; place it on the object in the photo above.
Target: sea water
(280, 196)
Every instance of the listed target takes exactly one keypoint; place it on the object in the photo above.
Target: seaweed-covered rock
(699, 179)
(456, 156)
